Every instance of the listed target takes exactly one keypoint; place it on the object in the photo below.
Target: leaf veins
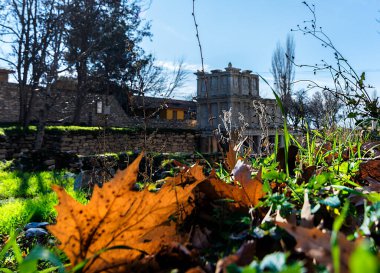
(117, 216)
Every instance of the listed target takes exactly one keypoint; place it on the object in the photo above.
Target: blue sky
(245, 33)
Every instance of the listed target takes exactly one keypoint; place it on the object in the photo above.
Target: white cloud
(186, 92)
(170, 65)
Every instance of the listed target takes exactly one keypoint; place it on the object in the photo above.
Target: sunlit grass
(28, 197)
(20, 184)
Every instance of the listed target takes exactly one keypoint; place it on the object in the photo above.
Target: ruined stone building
(217, 91)
(98, 109)
(238, 91)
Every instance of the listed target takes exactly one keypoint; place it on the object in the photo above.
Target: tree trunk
(81, 90)
(78, 107)
(40, 131)
(22, 100)
(42, 117)
(29, 107)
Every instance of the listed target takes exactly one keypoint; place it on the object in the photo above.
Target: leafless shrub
(230, 133)
(264, 121)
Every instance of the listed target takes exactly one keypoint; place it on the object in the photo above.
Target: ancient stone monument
(222, 90)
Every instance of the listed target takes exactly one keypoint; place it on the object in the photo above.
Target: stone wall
(63, 102)
(9, 102)
(88, 143)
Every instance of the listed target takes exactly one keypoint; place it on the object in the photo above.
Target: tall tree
(103, 44)
(283, 71)
(315, 112)
(31, 28)
(323, 109)
(332, 106)
(298, 108)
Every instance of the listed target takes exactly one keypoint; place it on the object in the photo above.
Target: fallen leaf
(200, 237)
(252, 187)
(178, 256)
(187, 175)
(118, 216)
(372, 187)
(195, 270)
(328, 153)
(370, 168)
(308, 172)
(196, 171)
(349, 152)
(231, 157)
(215, 189)
(371, 149)
(316, 244)
(292, 156)
(241, 197)
(242, 257)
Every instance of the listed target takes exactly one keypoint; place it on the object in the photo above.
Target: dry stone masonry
(12, 145)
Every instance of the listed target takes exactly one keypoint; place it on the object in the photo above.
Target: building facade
(237, 91)
(231, 90)
(98, 109)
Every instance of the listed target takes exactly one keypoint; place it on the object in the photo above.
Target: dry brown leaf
(328, 154)
(308, 172)
(178, 256)
(242, 257)
(370, 168)
(252, 187)
(187, 175)
(316, 244)
(373, 186)
(215, 189)
(371, 148)
(231, 157)
(197, 269)
(200, 237)
(117, 216)
(196, 171)
(291, 161)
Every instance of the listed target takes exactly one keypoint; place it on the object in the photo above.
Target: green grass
(85, 129)
(64, 129)
(59, 130)
(19, 184)
(18, 212)
(28, 197)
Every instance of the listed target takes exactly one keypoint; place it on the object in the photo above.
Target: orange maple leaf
(247, 194)
(118, 226)
(244, 196)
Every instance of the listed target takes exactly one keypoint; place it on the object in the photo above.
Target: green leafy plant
(29, 264)
(273, 263)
